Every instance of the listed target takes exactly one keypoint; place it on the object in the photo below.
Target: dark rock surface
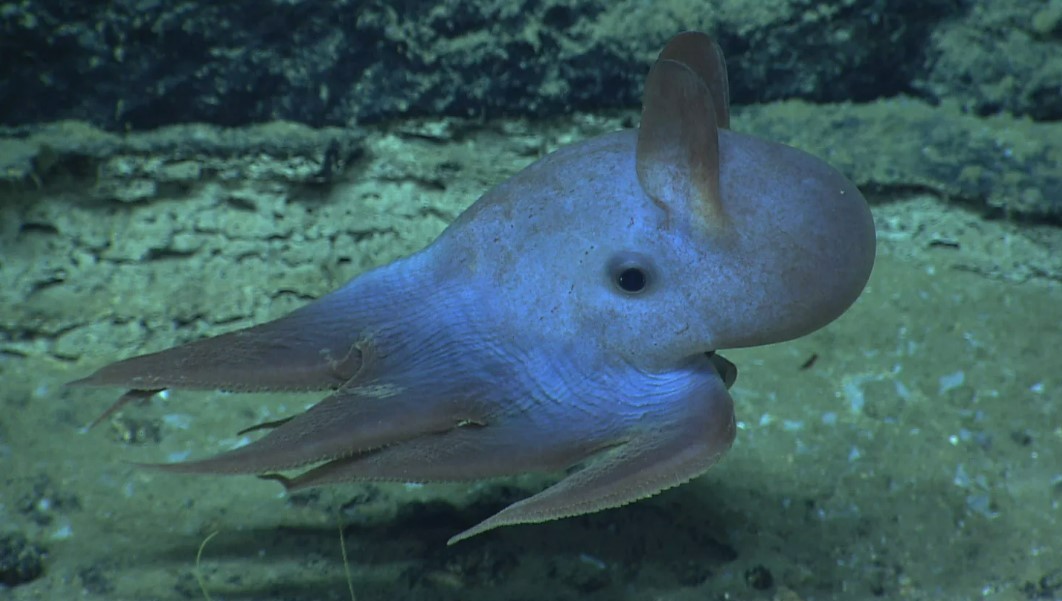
(999, 56)
(146, 63)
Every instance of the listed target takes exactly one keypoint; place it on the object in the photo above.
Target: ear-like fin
(678, 146)
(701, 54)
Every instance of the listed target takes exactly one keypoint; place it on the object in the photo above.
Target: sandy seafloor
(919, 457)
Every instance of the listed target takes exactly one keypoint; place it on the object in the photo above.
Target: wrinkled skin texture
(568, 318)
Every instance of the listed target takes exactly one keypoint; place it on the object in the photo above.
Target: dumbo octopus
(568, 321)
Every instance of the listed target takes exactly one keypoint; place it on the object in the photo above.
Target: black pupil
(632, 279)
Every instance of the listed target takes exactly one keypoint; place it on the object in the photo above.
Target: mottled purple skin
(509, 345)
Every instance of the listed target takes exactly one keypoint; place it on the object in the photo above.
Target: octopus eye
(630, 273)
(631, 279)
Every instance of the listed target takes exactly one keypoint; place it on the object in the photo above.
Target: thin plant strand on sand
(198, 559)
(343, 551)
(201, 580)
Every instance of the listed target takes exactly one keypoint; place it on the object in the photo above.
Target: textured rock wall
(145, 63)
